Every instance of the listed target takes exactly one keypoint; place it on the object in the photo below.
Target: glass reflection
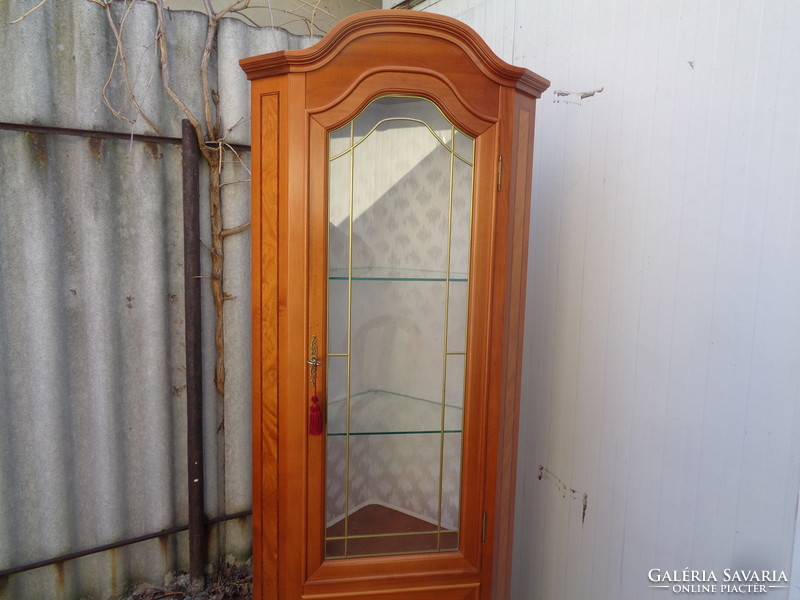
(400, 196)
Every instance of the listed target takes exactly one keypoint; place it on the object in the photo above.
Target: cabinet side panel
(265, 318)
(519, 212)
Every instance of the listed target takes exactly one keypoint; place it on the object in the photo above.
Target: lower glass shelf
(378, 412)
(395, 274)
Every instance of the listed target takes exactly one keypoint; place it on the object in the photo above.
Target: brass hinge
(499, 172)
(483, 529)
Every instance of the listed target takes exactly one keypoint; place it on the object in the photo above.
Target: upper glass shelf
(377, 412)
(395, 274)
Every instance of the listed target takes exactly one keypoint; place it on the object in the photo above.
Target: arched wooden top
(399, 38)
(426, 85)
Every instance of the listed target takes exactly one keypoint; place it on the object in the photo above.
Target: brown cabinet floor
(375, 530)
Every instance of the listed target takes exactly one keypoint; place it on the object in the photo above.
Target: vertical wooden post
(194, 380)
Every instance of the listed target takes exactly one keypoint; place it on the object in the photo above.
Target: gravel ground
(233, 582)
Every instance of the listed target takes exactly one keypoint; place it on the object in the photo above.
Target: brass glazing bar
(388, 553)
(348, 355)
(385, 535)
(446, 328)
(385, 433)
(412, 120)
(349, 337)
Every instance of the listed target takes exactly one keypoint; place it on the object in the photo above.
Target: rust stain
(154, 150)
(114, 571)
(39, 146)
(59, 575)
(163, 541)
(96, 147)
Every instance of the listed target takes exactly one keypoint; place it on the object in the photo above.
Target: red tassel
(315, 418)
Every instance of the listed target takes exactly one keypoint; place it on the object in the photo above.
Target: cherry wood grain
(265, 326)
(297, 98)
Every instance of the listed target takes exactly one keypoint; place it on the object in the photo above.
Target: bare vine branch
(238, 158)
(232, 8)
(31, 11)
(162, 45)
(211, 31)
(119, 56)
(235, 230)
(237, 182)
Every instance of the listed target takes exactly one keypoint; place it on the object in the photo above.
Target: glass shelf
(378, 412)
(395, 274)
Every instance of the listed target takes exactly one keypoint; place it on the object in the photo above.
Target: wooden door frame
(292, 90)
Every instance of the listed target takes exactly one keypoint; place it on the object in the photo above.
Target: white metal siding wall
(662, 363)
(92, 399)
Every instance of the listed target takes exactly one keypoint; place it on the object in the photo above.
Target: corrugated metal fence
(92, 366)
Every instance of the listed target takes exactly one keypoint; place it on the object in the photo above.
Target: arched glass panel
(400, 195)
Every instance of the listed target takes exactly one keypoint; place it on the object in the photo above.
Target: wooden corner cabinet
(391, 190)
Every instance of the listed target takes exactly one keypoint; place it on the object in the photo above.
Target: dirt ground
(234, 582)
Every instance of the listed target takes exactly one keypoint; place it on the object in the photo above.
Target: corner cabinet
(391, 187)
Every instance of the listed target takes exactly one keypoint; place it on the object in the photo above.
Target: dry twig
(119, 56)
(30, 12)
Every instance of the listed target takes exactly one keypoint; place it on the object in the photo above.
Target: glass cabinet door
(400, 180)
